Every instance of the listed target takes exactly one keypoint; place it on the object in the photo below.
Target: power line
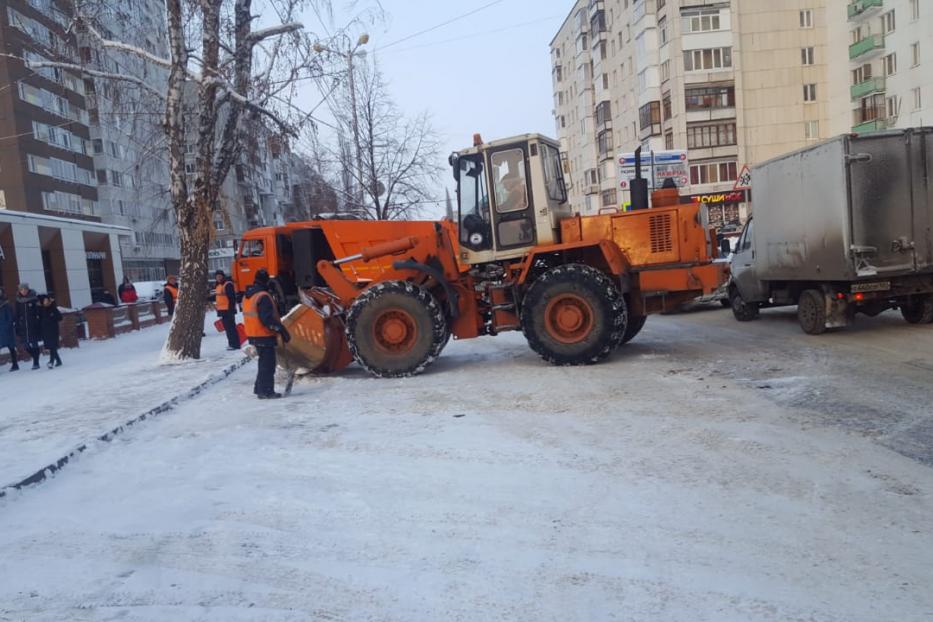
(441, 25)
(480, 34)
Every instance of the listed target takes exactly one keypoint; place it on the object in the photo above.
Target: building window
(604, 140)
(806, 56)
(710, 135)
(669, 140)
(887, 21)
(662, 29)
(811, 130)
(666, 106)
(809, 92)
(708, 59)
(918, 103)
(915, 54)
(665, 71)
(603, 113)
(861, 74)
(609, 198)
(806, 18)
(914, 9)
(116, 178)
(98, 146)
(890, 64)
(892, 107)
(661, 4)
(710, 98)
(649, 117)
(713, 172)
(700, 20)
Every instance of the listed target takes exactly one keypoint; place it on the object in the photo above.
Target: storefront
(78, 262)
(727, 211)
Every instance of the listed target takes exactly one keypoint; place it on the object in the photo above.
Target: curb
(47, 471)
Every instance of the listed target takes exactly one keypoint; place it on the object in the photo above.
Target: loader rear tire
(811, 312)
(574, 315)
(633, 327)
(396, 329)
(918, 310)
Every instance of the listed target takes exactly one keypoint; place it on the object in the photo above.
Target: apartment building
(890, 52)
(128, 140)
(732, 83)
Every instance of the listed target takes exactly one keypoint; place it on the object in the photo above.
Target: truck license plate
(877, 286)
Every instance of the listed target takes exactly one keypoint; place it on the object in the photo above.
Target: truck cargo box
(851, 208)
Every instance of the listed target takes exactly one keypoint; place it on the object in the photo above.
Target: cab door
(254, 253)
(513, 207)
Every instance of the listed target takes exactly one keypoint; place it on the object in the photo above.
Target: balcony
(867, 127)
(857, 8)
(867, 87)
(870, 43)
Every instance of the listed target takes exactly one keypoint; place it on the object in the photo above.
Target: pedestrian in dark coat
(264, 328)
(8, 330)
(27, 322)
(49, 317)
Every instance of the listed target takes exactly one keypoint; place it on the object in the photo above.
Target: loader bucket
(318, 344)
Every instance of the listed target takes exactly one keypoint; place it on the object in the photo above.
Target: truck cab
(512, 197)
(269, 248)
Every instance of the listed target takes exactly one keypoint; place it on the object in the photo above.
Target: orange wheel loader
(390, 294)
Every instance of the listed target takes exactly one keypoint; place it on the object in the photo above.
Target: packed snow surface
(672, 482)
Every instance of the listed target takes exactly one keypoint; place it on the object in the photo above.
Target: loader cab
(511, 197)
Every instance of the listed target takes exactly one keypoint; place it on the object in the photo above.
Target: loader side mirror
(454, 161)
(725, 247)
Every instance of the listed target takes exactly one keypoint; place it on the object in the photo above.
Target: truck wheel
(918, 310)
(574, 315)
(633, 327)
(811, 312)
(396, 329)
(743, 311)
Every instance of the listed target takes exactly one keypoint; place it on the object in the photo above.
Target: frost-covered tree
(242, 59)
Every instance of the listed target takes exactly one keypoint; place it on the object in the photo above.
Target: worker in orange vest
(225, 303)
(263, 328)
(170, 294)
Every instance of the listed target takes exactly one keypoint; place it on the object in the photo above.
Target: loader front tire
(396, 329)
(574, 315)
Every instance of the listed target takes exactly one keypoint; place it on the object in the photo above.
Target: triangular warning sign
(744, 180)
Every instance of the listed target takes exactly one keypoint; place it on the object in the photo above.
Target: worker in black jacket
(225, 303)
(263, 328)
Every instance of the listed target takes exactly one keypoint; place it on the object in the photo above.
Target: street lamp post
(354, 118)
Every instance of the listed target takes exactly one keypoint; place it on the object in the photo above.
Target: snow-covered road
(671, 483)
(48, 412)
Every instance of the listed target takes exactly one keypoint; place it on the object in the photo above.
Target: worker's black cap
(262, 276)
(220, 273)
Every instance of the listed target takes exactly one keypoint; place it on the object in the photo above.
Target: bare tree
(235, 71)
(389, 173)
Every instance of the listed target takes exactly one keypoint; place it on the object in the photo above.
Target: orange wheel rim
(395, 331)
(568, 318)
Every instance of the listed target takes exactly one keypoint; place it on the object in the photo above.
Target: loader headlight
(476, 239)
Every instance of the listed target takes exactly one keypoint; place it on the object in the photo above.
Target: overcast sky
(488, 72)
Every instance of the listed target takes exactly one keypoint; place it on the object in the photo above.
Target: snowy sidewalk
(47, 413)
